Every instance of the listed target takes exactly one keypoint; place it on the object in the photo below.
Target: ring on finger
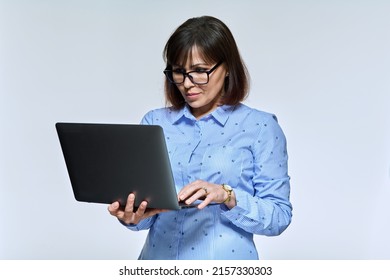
(205, 190)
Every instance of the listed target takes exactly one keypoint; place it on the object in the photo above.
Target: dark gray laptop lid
(107, 162)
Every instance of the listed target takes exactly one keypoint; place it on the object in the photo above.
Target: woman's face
(202, 99)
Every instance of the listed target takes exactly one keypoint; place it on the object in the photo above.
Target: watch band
(229, 190)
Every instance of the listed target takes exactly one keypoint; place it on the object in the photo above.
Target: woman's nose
(187, 82)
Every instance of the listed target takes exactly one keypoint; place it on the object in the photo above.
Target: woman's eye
(200, 70)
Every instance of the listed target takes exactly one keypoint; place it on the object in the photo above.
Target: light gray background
(321, 66)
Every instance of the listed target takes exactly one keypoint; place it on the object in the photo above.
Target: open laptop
(107, 162)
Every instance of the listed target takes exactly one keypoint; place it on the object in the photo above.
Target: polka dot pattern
(237, 145)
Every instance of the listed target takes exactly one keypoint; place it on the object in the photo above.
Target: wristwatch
(229, 190)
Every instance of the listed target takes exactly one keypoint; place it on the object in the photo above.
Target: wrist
(229, 190)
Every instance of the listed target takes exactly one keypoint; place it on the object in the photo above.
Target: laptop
(107, 162)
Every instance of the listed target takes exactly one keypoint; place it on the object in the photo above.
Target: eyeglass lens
(195, 77)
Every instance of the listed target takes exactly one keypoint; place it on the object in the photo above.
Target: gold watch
(229, 190)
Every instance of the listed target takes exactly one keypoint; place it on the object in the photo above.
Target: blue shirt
(236, 145)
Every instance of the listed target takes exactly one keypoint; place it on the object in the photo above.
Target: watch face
(227, 187)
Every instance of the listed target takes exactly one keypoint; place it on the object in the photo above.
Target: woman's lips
(192, 95)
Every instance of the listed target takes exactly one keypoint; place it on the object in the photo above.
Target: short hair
(215, 43)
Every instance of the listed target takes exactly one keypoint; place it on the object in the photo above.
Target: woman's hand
(128, 215)
(208, 192)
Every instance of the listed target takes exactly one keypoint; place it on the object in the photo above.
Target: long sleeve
(142, 225)
(268, 210)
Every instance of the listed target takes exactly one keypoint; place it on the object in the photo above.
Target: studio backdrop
(322, 67)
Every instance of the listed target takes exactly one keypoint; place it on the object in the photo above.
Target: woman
(230, 157)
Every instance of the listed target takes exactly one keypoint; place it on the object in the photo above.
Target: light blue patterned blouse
(235, 145)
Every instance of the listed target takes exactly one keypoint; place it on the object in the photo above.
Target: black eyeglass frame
(168, 74)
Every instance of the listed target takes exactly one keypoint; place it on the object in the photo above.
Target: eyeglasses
(197, 77)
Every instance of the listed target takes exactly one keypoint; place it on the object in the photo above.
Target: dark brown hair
(215, 43)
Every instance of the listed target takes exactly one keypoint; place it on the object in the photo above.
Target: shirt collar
(221, 114)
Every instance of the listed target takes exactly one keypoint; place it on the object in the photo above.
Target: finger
(185, 192)
(141, 209)
(143, 212)
(129, 208)
(200, 194)
(190, 189)
(205, 202)
(113, 208)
